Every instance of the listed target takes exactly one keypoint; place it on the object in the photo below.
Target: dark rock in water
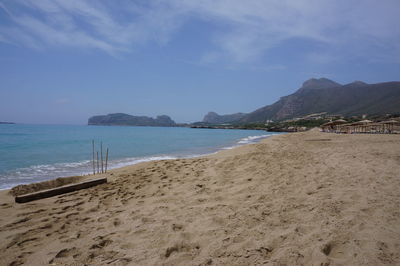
(120, 119)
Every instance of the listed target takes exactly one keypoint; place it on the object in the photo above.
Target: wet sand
(297, 199)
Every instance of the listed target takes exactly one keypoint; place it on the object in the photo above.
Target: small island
(121, 119)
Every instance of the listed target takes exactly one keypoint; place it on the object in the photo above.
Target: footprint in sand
(117, 222)
(103, 243)
(177, 227)
(181, 247)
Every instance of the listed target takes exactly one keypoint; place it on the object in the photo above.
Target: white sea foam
(44, 172)
(129, 161)
(253, 139)
(248, 140)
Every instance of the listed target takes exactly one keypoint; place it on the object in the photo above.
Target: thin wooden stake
(106, 159)
(97, 162)
(94, 168)
(101, 152)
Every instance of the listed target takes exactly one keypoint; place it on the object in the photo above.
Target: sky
(62, 61)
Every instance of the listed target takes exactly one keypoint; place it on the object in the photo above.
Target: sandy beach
(307, 198)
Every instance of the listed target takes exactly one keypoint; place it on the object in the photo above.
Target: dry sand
(297, 199)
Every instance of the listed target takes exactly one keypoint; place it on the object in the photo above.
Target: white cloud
(245, 29)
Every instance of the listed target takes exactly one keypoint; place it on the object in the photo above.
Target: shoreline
(64, 180)
(122, 162)
(304, 198)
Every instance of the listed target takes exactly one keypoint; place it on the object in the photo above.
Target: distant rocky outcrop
(214, 118)
(120, 119)
(317, 84)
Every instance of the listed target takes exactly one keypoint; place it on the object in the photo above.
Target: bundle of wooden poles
(99, 166)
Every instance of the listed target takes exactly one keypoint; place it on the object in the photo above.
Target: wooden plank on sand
(59, 190)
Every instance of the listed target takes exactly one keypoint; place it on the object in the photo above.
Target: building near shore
(364, 126)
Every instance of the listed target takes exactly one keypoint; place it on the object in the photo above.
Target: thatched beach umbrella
(388, 126)
(360, 126)
(390, 122)
(332, 125)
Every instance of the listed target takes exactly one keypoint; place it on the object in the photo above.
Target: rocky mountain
(324, 95)
(315, 84)
(120, 119)
(214, 118)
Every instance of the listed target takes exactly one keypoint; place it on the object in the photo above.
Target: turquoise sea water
(32, 153)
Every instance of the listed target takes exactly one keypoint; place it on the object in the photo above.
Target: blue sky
(62, 61)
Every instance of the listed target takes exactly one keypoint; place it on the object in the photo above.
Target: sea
(34, 153)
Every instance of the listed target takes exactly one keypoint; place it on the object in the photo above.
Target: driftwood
(59, 190)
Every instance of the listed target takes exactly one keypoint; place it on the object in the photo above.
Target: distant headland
(120, 119)
(6, 123)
